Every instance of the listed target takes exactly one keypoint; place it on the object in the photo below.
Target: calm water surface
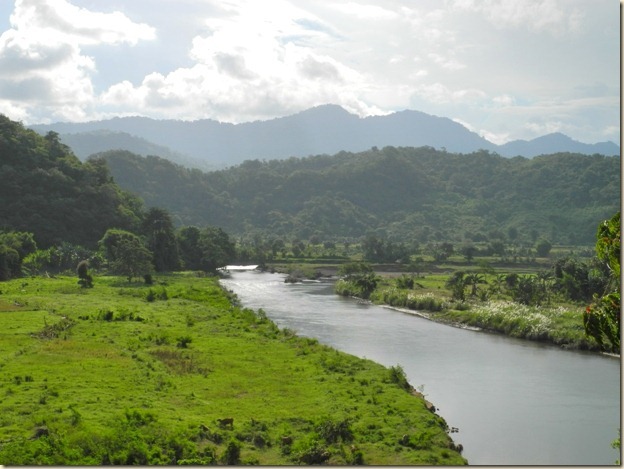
(514, 402)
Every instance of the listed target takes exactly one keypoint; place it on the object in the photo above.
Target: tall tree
(160, 238)
(216, 249)
(188, 244)
(113, 238)
(132, 259)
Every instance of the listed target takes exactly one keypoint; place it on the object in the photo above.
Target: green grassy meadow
(136, 374)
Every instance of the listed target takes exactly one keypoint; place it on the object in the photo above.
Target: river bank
(560, 325)
(178, 373)
(557, 325)
(480, 382)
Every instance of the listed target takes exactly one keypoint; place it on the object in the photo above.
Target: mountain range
(328, 129)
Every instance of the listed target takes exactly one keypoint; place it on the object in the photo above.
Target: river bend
(515, 402)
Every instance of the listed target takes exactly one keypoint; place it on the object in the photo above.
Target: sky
(506, 69)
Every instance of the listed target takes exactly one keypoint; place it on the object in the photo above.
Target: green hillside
(47, 191)
(405, 194)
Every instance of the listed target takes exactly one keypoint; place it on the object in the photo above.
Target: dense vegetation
(47, 191)
(56, 211)
(400, 194)
(549, 301)
(169, 354)
(106, 370)
(173, 373)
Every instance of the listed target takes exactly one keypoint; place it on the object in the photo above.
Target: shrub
(86, 281)
(231, 456)
(333, 431)
(405, 282)
(184, 341)
(312, 453)
(398, 376)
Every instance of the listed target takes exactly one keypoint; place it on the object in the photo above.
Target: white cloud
(41, 61)
(441, 94)
(60, 20)
(253, 64)
(495, 64)
(365, 11)
(504, 100)
(548, 16)
(445, 62)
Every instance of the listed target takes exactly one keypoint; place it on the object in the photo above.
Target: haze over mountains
(327, 129)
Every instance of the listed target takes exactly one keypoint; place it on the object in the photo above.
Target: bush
(313, 453)
(398, 376)
(231, 456)
(86, 281)
(183, 342)
(333, 431)
(405, 282)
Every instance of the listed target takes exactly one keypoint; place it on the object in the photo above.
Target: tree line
(403, 194)
(56, 212)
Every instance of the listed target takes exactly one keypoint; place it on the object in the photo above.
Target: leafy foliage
(14, 247)
(602, 319)
(126, 254)
(204, 249)
(359, 280)
(47, 191)
(160, 240)
(395, 194)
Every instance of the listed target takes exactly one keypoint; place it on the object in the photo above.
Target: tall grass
(408, 299)
(556, 324)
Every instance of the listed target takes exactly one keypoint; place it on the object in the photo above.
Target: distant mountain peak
(324, 110)
(554, 136)
(323, 129)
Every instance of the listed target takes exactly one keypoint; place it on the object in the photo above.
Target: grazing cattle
(226, 422)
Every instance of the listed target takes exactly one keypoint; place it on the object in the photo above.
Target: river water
(515, 402)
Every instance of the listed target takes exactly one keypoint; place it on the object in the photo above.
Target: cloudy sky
(506, 69)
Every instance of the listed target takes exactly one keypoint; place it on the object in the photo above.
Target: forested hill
(406, 194)
(47, 191)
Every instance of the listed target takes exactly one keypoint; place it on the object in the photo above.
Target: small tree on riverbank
(602, 317)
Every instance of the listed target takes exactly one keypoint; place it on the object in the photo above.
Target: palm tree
(457, 283)
(545, 279)
(474, 279)
(497, 284)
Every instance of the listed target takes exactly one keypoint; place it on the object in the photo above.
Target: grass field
(136, 374)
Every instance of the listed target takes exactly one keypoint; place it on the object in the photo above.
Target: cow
(226, 422)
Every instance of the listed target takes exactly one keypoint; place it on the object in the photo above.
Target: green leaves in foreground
(602, 318)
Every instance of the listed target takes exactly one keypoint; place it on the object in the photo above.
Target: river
(515, 402)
